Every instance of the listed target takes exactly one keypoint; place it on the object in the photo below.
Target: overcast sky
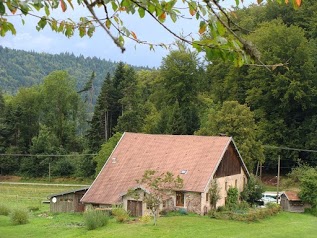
(100, 45)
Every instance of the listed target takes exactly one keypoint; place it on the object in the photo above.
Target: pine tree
(99, 131)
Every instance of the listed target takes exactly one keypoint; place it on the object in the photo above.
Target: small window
(207, 197)
(226, 186)
(236, 183)
(179, 199)
(184, 171)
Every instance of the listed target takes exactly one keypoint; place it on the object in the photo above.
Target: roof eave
(83, 198)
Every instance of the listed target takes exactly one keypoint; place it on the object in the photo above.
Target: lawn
(29, 195)
(44, 224)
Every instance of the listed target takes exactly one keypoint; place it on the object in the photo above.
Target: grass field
(44, 224)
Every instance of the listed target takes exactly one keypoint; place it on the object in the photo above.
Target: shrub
(120, 214)
(250, 216)
(94, 219)
(253, 190)
(4, 210)
(312, 211)
(19, 217)
(243, 206)
(232, 198)
(182, 211)
(145, 219)
(222, 209)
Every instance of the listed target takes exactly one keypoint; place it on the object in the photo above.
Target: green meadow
(42, 223)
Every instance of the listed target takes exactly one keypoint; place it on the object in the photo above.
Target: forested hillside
(269, 107)
(20, 68)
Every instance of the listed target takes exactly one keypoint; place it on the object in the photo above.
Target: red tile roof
(292, 196)
(135, 153)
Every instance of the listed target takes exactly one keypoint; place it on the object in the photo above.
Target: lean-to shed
(68, 201)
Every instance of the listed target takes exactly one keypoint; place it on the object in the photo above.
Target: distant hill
(20, 68)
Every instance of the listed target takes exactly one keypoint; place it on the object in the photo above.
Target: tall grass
(4, 210)
(19, 216)
(94, 219)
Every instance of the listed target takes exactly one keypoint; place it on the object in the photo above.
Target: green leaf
(42, 23)
(82, 31)
(47, 10)
(91, 30)
(69, 30)
(2, 9)
(11, 28)
(24, 7)
(114, 6)
(173, 16)
(202, 27)
(108, 23)
(61, 26)
(54, 25)
(121, 40)
(221, 29)
(151, 8)
(125, 3)
(141, 12)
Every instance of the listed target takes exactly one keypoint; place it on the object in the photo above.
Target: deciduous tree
(213, 17)
(160, 187)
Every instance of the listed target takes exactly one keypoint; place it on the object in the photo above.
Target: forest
(19, 68)
(267, 110)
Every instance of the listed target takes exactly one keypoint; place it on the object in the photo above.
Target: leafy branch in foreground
(216, 37)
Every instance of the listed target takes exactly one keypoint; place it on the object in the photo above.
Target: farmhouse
(68, 201)
(198, 160)
(292, 203)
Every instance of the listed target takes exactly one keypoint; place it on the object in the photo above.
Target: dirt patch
(269, 180)
(9, 178)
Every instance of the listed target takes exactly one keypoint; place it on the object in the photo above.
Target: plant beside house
(159, 188)
(244, 210)
(120, 214)
(94, 219)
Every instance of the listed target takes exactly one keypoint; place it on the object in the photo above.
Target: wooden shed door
(135, 208)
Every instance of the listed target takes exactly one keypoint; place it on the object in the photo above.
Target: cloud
(27, 41)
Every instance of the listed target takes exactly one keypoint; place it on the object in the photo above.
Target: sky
(100, 45)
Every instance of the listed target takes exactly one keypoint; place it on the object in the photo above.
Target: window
(179, 199)
(207, 197)
(236, 183)
(226, 186)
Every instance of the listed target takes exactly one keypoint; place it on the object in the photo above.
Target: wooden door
(135, 208)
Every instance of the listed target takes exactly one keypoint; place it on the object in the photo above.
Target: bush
(243, 206)
(19, 217)
(222, 209)
(312, 211)
(250, 216)
(145, 219)
(182, 211)
(120, 214)
(232, 198)
(4, 210)
(94, 219)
